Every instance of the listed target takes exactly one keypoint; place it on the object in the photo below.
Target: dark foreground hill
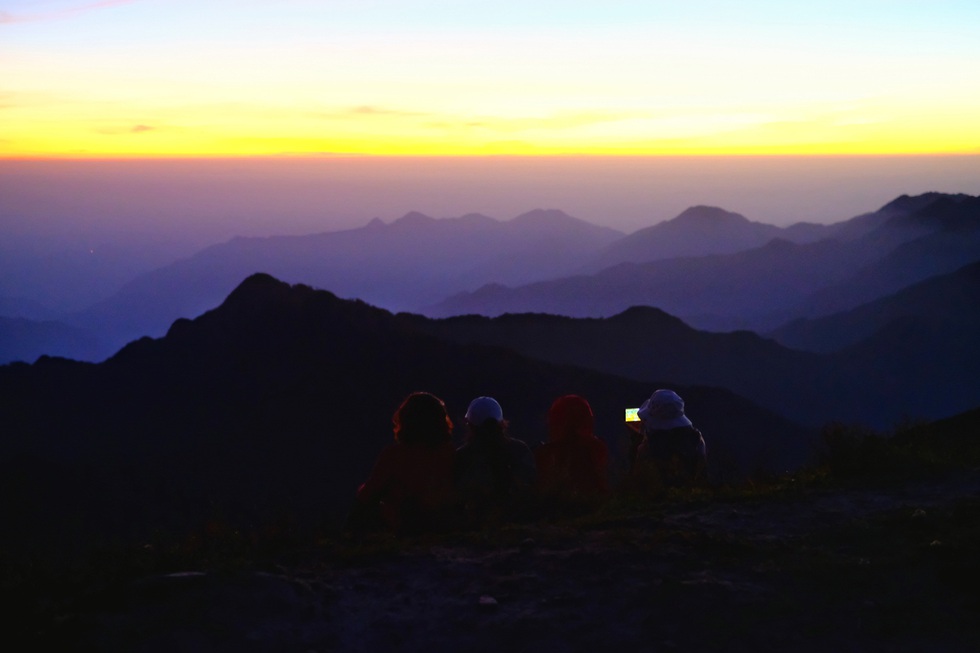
(273, 407)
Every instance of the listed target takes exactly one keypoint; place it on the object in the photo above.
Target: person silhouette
(670, 444)
(494, 473)
(573, 463)
(411, 485)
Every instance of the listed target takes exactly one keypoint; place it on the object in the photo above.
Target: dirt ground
(894, 569)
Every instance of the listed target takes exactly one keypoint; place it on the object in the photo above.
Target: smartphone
(631, 415)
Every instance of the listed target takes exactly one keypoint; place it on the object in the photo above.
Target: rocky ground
(883, 569)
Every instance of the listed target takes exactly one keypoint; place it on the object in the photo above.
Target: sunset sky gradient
(89, 78)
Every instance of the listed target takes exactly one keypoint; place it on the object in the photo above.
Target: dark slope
(952, 300)
(913, 355)
(646, 344)
(722, 291)
(946, 236)
(275, 405)
(929, 365)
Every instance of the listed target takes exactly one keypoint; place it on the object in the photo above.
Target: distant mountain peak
(779, 244)
(703, 214)
(543, 216)
(646, 314)
(477, 218)
(911, 203)
(414, 219)
(257, 286)
(944, 211)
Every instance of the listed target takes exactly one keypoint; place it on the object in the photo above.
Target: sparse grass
(856, 453)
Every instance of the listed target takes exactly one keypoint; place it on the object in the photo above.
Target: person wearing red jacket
(412, 481)
(573, 463)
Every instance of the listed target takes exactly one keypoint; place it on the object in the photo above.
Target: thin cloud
(7, 18)
(560, 120)
(135, 129)
(368, 110)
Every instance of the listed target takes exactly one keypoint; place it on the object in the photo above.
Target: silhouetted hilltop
(698, 231)
(645, 343)
(913, 368)
(904, 204)
(274, 406)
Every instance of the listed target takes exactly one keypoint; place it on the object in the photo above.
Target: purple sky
(200, 202)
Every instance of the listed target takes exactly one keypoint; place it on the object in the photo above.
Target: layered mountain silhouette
(945, 234)
(704, 230)
(906, 241)
(742, 290)
(414, 261)
(950, 301)
(547, 261)
(274, 406)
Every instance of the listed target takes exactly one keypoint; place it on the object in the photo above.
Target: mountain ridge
(766, 286)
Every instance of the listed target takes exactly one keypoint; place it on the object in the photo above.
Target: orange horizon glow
(28, 138)
(570, 156)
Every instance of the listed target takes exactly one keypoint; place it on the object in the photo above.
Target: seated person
(670, 443)
(411, 486)
(573, 462)
(493, 472)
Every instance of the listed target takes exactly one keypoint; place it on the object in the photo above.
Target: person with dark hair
(494, 473)
(572, 464)
(670, 444)
(411, 485)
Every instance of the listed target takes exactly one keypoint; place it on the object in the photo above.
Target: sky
(218, 78)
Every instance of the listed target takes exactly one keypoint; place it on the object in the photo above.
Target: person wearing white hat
(670, 442)
(493, 472)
